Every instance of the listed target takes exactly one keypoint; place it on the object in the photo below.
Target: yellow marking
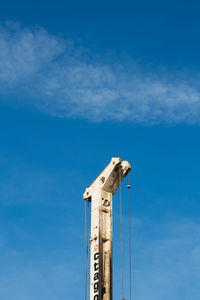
(96, 247)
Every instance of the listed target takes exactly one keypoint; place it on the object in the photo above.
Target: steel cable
(121, 237)
(130, 258)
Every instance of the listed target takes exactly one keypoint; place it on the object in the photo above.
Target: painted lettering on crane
(96, 275)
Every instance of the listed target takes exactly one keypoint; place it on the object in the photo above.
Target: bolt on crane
(100, 195)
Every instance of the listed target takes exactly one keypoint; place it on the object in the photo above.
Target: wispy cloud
(167, 266)
(166, 260)
(30, 278)
(64, 80)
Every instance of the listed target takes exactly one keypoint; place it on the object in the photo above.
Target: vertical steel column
(106, 238)
(95, 252)
(101, 247)
(100, 194)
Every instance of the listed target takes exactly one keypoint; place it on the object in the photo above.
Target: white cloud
(165, 259)
(39, 280)
(167, 263)
(63, 80)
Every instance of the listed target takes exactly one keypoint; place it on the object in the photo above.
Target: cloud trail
(65, 80)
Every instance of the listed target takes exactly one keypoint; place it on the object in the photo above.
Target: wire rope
(130, 258)
(121, 238)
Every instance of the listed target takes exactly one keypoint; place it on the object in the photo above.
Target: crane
(100, 195)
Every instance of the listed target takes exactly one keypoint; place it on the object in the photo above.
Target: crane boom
(100, 195)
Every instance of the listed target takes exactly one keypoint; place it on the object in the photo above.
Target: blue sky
(79, 83)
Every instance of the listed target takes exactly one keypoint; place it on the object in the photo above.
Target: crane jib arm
(100, 195)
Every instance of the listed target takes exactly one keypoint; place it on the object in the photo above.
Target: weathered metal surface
(100, 194)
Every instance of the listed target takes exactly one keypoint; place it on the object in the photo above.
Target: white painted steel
(100, 194)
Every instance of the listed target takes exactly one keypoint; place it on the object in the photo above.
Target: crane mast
(100, 195)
